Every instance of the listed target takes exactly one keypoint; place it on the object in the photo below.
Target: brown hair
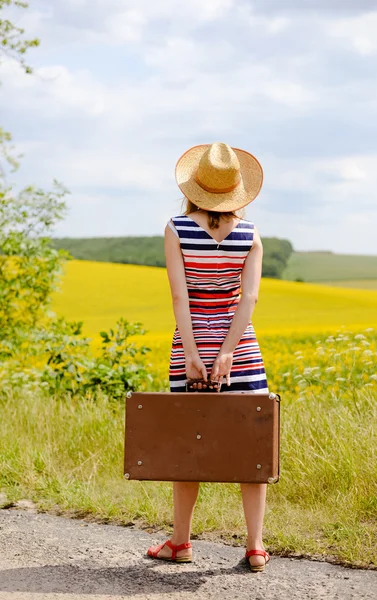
(213, 215)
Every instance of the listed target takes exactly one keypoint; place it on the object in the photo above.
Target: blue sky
(121, 88)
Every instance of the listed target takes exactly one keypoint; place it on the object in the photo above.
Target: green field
(329, 268)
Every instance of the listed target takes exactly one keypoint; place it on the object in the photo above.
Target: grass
(326, 267)
(66, 454)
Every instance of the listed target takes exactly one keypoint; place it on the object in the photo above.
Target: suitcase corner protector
(273, 479)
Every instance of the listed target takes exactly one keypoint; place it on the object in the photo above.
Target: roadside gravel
(45, 557)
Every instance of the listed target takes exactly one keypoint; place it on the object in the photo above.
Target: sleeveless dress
(213, 277)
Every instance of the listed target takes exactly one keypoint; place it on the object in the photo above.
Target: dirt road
(43, 557)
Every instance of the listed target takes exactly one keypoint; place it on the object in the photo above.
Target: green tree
(36, 348)
(12, 38)
(29, 267)
(14, 45)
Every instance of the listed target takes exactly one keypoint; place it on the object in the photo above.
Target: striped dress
(213, 277)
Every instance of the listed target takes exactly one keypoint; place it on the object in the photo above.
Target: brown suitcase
(184, 436)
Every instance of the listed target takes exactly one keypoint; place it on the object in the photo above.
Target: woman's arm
(177, 279)
(250, 281)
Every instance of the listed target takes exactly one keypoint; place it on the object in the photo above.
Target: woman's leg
(185, 495)
(254, 501)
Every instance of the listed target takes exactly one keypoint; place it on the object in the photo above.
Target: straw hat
(218, 177)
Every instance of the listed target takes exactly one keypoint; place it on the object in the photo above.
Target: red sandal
(260, 553)
(154, 550)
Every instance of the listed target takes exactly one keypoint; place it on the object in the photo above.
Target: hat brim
(245, 192)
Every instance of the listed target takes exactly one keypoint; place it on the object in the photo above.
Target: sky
(121, 88)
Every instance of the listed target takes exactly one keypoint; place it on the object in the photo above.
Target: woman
(211, 251)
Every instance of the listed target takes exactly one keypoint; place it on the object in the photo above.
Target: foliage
(127, 250)
(58, 358)
(7, 150)
(36, 348)
(12, 41)
(72, 367)
(29, 267)
(68, 452)
(276, 253)
(13, 45)
(149, 250)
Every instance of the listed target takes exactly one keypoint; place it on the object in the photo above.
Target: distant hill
(150, 251)
(329, 267)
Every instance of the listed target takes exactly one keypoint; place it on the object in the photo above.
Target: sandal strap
(177, 548)
(157, 550)
(259, 552)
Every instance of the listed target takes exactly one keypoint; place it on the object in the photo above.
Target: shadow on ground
(144, 577)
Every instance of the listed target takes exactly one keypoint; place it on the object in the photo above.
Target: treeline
(150, 251)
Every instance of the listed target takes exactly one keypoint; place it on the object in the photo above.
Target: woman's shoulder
(173, 223)
(248, 223)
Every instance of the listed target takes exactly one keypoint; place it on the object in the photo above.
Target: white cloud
(358, 32)
(53, 91)
(123, 87)
(126, 26)
(278, 24)
(117, 22)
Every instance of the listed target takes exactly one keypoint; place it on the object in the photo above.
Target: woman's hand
(222, 366)
(195, 367)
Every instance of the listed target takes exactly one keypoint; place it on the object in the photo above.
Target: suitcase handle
(216, 385)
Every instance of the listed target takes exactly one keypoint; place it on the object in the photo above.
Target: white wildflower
(369, 329)
(374, 377)
(286, 374)
(329, 369)
(360, 336)
(340, 379)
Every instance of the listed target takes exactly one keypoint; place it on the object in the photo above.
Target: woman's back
(213, 269)
(213, 276)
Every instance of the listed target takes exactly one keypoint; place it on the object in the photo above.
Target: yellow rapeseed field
(100, 293)
(306, 331)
